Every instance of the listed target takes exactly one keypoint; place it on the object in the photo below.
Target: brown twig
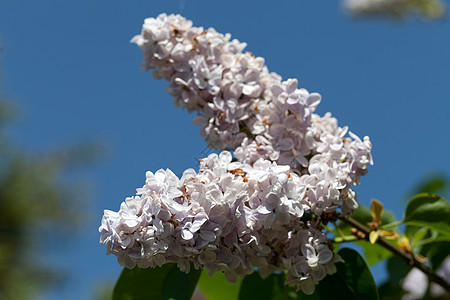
(406, 256)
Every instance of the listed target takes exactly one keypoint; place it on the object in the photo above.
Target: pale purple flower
(232, 216)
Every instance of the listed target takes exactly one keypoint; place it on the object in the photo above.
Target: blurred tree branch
(37, 203)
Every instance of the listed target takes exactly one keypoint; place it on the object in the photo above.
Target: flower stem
(409, 258)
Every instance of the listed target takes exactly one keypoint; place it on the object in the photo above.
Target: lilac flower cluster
(293, 168)
(236, 98)
(228, 217)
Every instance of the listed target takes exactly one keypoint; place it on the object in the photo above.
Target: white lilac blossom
(207, 72)
(294, 168)
(328, 171)
(228, 216)
(236, 97)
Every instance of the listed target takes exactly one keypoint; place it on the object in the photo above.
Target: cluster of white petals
(229, 217)
(236, 98)
(293, 168)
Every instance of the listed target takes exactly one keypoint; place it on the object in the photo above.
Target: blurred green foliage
(39, 208)
(436, 251)
(398, 9)
(429, 8)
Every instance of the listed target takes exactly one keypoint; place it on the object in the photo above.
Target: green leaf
(374, 253)
(431, 236)
(430, 211)
(166, 282)
(411, 230)
(418, 236)
(179, 285)
(272, 287)
(352, 280)
(439, 238)
(216, 287)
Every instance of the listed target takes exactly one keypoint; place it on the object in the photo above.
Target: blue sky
(71, 69)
